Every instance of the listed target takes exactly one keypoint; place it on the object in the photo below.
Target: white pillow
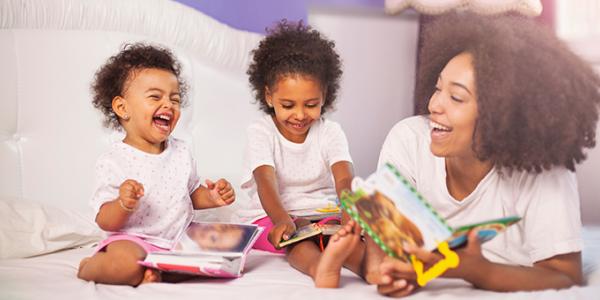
(29, 229)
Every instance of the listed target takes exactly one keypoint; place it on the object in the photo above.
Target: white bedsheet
(267, 276)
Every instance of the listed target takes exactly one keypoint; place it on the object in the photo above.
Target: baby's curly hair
(294, 48)
(111, 79)
(537, 101)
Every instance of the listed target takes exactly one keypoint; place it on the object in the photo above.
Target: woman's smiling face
(453, 109)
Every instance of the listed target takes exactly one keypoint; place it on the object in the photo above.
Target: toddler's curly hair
(537, 101)
(294, 49)
(111, 79)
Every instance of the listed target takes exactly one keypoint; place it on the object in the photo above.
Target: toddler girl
(295, 159)
(147, 186)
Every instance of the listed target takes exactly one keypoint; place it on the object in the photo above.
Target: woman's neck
(464, 174)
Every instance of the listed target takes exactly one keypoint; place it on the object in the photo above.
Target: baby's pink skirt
(149, 248)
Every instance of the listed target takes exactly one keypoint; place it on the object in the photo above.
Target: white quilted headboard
(50, 134)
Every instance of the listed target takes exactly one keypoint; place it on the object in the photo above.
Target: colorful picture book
(393, 213)
(308, 231)
(207, 249)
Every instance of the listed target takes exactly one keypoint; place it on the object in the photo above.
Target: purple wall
(256, 15)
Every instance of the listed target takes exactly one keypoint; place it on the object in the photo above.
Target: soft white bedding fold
(28, 229)
(267, 276)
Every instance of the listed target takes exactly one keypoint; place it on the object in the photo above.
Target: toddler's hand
(220, 192)
(282, 230)
(130, 193)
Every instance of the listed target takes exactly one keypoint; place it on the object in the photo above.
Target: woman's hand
(470, 257)
(398, 278)
(281, 230)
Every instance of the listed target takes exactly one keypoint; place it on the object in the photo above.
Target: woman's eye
(311, 105)
(287, 106)
(456, 99)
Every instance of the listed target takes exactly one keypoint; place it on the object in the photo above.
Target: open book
(207, 249)
(308, 231)
(393, 213)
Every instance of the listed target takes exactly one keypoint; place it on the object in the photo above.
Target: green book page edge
(507, 221)
(348, 199)
(413, 190)
(347, 202)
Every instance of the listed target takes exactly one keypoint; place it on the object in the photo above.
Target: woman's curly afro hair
(537, 101)
(111, 79)
(294, 49)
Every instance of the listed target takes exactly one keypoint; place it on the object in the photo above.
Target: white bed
(50, 137)
(267, 276)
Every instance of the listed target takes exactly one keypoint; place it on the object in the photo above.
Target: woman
(509, 111)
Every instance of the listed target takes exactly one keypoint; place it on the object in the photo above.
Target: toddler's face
(152, 102)
(297, 101)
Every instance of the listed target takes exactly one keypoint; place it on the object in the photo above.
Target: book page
(216, 238)
(394, 214)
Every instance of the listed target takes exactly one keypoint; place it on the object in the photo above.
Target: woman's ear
(120, 108)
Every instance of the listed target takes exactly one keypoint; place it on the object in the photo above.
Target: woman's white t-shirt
(168, 178)
(548, 202)
(303, 170)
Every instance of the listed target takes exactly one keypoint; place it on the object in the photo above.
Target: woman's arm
(557, 272)
(268, 192)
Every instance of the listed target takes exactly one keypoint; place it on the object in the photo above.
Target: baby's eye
(154, 97)
(175, 100)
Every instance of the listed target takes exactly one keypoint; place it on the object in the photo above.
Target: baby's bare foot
(339, 248)
(151, 275)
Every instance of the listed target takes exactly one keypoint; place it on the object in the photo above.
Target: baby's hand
(130, 193)
(220, 192)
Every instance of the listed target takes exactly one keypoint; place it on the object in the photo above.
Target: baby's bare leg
(117, 265)
(304, 257)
